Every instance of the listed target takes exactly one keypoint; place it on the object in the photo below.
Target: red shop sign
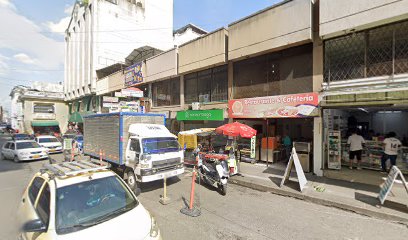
(283, 106)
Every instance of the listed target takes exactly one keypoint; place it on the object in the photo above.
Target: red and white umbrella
(236, 129)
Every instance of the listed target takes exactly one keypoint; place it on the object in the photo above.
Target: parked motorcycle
(215, 172)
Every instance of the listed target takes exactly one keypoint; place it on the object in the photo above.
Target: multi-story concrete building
(39, 108)
(104, 32)
(16, 107)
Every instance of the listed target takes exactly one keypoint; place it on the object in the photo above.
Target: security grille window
(381, 51)
(284, 72)
(210, 85)
(43, 108)
(166, 93)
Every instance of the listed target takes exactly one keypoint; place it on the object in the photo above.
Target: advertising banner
(283, 106)
(200, 115)
(133, 74)
(132, 92)
(110, 99)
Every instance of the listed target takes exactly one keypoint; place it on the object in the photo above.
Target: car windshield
(160, 145)
(85, 204)
(79, 138)
(24, 145)
(48, 140)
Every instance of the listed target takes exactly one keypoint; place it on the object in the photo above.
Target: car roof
(65, 176)
(18, 141)
(46, 136)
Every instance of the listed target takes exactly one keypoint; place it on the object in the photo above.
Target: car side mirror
(35, 225)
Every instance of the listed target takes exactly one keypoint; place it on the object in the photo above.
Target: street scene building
(159, 117)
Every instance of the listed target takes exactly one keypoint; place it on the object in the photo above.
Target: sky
(32, 40)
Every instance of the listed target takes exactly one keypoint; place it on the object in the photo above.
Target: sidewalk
(351, 196)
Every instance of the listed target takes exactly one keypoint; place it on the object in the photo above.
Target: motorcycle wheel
(223, 189)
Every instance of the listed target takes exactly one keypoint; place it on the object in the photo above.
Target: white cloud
(58, 27)
(3, 65)
(24, 36)
(7, 4)
(24, 58)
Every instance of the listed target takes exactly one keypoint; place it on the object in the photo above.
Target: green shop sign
(201, 115)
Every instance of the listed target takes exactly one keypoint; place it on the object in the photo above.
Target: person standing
(391, 145)
(287, 143)
(355, 142)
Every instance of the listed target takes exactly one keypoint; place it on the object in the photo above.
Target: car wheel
(131, 179)
(16, 160)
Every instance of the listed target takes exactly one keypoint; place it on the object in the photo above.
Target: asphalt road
(241, 214)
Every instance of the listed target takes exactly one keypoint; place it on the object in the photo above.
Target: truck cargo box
(109, 133)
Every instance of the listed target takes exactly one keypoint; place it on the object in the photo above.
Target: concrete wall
(280, 26)
(161, 66)
(113, 82)
(339, 17)
(209, 50)
(60, 115)
(98, 39)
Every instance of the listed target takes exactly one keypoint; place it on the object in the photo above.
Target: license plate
(36, 156)
(52, 150)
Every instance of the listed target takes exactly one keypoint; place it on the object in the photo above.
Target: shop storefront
(281, 122)
(374, 124)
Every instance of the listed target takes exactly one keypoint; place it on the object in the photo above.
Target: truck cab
(153, 152)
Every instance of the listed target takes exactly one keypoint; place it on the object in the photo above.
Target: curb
(319, 201)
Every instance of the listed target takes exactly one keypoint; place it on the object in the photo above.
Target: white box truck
(137, 145)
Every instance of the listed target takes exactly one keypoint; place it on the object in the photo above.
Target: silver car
(23, 150)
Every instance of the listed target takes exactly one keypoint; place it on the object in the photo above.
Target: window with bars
(381, 51)
(285, 72)
(166, 93)
(210, 85)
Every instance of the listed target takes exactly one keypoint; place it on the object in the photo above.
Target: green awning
(44, 123)
(78, 116)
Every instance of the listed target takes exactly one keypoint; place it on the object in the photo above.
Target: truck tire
(131, 179)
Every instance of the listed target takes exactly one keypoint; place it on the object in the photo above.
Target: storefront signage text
(110, 99)
(283, 106)
(131, 93)
(133, 74)
(201, 115)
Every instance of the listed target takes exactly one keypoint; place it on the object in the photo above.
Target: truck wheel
(131, 179)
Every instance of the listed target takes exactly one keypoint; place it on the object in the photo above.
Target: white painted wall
(108, 33)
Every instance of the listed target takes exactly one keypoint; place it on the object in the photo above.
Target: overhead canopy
(44, 123)
(78, 116)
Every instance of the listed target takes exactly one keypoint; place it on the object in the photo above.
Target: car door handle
(23, 200)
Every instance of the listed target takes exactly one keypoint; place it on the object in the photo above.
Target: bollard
(163, 198)
(191, 210)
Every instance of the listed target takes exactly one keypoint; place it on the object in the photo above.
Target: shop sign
(283, 106)
(253, 147)
(133, 74)
(386, 187)
(110, 99)
(131, 93)
(118, 94)
(294, 160)
(201, 115)
(110, 105)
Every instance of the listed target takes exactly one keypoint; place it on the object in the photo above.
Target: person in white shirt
(355, 142)
(391, 145)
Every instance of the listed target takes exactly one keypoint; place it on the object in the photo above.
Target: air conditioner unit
(204, 98)
(195, 106)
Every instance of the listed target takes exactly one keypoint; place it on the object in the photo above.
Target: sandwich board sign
(294, 159)
(389, 182)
